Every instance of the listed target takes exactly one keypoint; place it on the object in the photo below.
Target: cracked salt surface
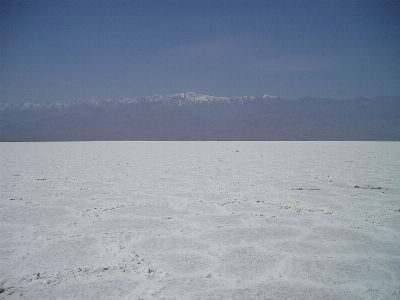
(200, 220)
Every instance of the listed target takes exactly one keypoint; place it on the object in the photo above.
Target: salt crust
(200, 220)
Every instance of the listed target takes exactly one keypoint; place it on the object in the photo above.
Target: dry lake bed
(200, 220)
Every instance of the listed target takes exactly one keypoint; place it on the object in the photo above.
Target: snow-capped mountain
(191, 97)
(192, 116)
(179, 98)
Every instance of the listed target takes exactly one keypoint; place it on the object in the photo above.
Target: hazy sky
(79, 50)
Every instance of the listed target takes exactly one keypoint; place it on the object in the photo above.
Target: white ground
(200, 220)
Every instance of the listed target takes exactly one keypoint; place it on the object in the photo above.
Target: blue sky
(80, 50)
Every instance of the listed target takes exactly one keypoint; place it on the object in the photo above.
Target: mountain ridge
(188, 97)
(175, 98)
(191, 116)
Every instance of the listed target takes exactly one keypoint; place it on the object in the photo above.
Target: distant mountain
(191, 116)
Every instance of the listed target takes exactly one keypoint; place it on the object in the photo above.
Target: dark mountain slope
(183, 118)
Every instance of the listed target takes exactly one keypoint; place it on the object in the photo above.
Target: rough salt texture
(200, 220)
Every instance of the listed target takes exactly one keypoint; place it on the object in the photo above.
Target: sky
(64, 51)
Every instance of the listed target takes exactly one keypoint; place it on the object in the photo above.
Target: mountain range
(191, 116)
